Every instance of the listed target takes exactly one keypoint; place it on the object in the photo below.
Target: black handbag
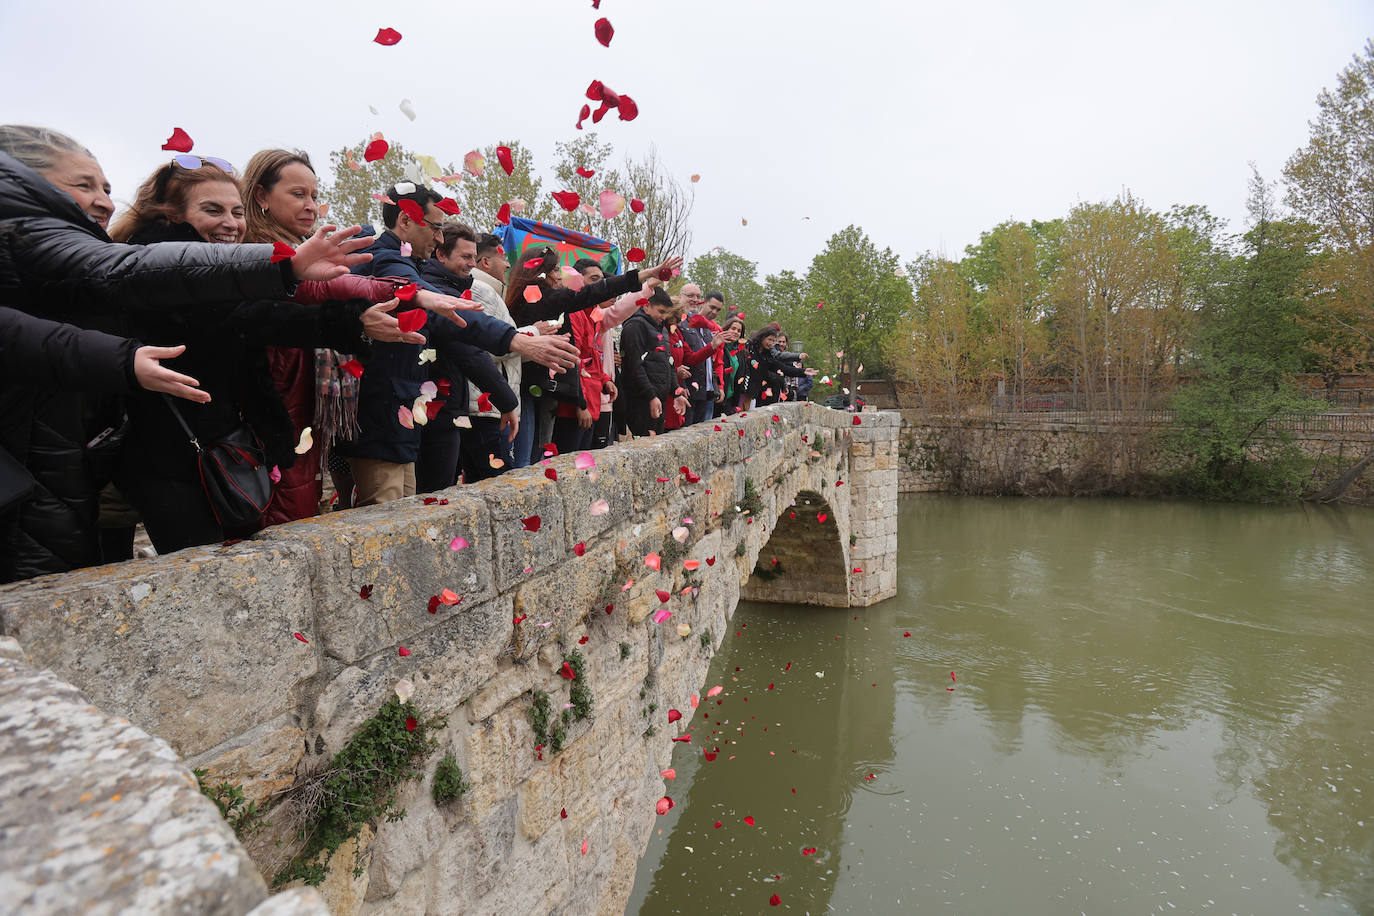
(233, 473)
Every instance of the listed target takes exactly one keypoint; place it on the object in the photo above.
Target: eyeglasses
(195, 162)
(437, 227)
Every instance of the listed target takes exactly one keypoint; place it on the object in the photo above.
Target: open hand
(380, 325)
(324, 256)
(153, 376)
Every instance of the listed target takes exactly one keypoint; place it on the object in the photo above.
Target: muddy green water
(1156, 707)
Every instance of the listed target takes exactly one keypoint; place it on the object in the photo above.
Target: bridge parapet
(258, 660)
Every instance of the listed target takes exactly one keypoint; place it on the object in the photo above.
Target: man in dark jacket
(646, 365)
(383, 455)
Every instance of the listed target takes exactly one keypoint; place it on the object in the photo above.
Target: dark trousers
(602, 430)
(176, 512)
(437, 466)
(569, 437)
(482, 443)
(638, 420)
(700, 411)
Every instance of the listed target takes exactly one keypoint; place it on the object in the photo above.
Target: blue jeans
(524, 436)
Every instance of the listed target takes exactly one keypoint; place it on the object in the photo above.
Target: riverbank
(1030, 455)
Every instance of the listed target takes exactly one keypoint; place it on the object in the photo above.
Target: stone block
(299, 901)
(400, 549)
(555, 602)
(404, 847)
(100, 817)
(512, 498)
(611, 480)
(262, 760)
(500, 755)
(194, 647)
(446, 665)
(342, 890)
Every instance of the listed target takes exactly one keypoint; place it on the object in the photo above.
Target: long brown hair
(162, 197)
(522, 276)
(264, 171)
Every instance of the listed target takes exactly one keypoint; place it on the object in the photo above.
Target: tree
(588, 153)
(937, 344)
(721, 270)
(1013, 287)
(481, 196)
(349, 194)
(864, 297)
(665, 226)
(1248, 350)
(1331, 183)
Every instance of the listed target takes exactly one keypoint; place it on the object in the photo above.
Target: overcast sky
(924, 123)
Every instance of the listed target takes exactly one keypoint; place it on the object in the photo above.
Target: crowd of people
(392, 360)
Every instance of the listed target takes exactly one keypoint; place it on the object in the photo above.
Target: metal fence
(1338, 423)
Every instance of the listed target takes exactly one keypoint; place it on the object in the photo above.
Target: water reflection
(1157, 705)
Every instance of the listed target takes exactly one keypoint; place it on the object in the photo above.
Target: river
(1095, 706)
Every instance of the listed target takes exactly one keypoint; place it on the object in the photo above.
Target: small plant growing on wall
(768, 573)
(358, 787)
(580, 695)
(540, 713)
(449, 784)
(624, 651)
(750, 503)
(234, 807)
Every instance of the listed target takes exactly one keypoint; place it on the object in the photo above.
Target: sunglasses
(195, 162)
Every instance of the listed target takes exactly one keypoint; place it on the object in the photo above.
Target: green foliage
(580, 694)
(767, 573)
(449, 784)
(624, 651)
(721, 270)
(750, 503)
(705, 639)
(242, 815)
(540, 712)
(359, 785)
(481, 197)
(1248, 348)
(557, 736)
(349, 193)
(671, 551)
(741, 548)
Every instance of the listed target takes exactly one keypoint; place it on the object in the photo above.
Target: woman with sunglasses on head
(186, 200)
(281, 201)
(58, 263)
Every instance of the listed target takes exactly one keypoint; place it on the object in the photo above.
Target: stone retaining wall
(1068, 457)
(200, 649)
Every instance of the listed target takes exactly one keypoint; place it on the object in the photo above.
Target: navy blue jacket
(461, 361)
(393, 375)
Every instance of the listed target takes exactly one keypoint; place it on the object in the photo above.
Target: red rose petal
(353, 368)
(432, 408)
(301, 638)
(774, 900)
(563, 814)
(579, 548)
(411, 723)
(503, 215)
(484, 401)
(604, 31)
(433, 604)
(447, 205)
(402, 651)
(377, 149)
(636, 205)
(532, 523)
(365, 592)
(809, 851)
(408, 292)
(684, 739)
(711, 755)
(635, 255)
(412, 320)
(673, 716)
(179, 141)
(857, 421)
(411, 209)
(665, 804)
(583, 640)
(503, 156)
(710, 561)
(281, 252)
(568, 671)
(387, 37)
(583, 115)
(552, 475)
(568, 200)
(821, 517)
(749, 820)
(629, 109)
(662, 595)
(585, 173)
(717, 825)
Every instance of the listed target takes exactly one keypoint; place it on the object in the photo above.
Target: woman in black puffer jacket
(57, 262)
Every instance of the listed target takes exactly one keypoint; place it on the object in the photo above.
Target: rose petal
(653, 561)
(411, 723)
(583, 461)
(179, 141)
(533, 294)
(402, 651)
(406, 416)
(611, 204)
(715, 691)
(669, 773)
(503, 215)
(568, 200)
(635, 255)
(673, 716)
(387, 37)
(551, 473)
(662, 614)
(663, 596)
(505, 159)
(448, 205)
(281, 252)
(749, 820)
(579, 548)
(306, 443)
(458, 543)
(600, 507)
(475, 162)
(665, 804)
(301, 638)
(604, 32)
(375, 150)
(532, 523)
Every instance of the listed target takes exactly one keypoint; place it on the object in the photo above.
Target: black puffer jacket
(58, 264)
(646, 366)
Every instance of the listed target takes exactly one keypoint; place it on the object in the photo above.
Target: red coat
(586, 332)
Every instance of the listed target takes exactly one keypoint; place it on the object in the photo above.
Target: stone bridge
(259, 661)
